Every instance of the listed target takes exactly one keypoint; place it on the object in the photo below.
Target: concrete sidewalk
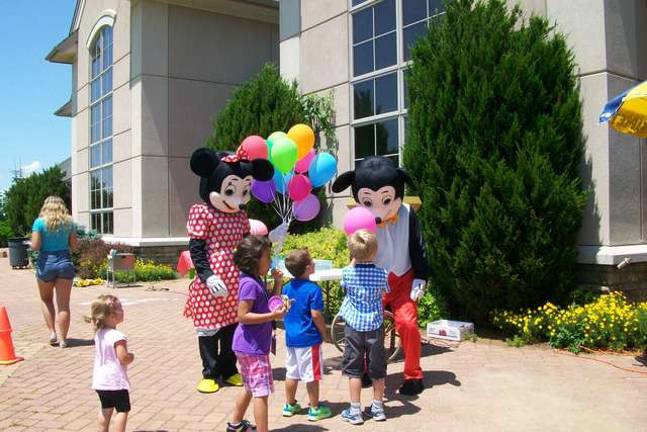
(482, 386)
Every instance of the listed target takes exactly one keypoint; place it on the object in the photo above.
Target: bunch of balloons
(298, 169)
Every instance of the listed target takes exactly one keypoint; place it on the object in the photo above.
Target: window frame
(399, 68)
(98, 50)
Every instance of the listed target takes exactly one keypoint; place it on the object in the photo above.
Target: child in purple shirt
(253, 336)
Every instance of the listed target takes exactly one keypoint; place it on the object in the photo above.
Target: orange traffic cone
(7, 354)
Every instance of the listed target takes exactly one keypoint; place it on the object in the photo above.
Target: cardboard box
(450, 330)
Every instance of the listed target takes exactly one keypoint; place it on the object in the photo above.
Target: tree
(494, 144)
(26, 196)
(265, 104)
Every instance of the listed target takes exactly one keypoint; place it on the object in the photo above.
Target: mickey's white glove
(278, 234)
(417, 289)
(217, 286)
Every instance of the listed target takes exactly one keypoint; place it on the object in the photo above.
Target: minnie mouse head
(226, 179)
(377, 185)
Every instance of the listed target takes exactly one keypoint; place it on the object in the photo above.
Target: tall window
(101, 184)
(383, 32)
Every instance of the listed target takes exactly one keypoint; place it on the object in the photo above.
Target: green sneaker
(319, 414)
(290, 410)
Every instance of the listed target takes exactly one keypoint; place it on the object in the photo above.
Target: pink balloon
(359, 218)
(299, 187)
(307, 209)
(255, 147)
(304, 163)
(257, 227)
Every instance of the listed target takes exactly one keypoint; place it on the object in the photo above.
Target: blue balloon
(281, 181)
(322, 169)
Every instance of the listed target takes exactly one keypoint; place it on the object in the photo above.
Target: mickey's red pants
(405, 312)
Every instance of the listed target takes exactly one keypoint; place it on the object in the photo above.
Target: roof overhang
(259, 10)
(65, 110)
(65, 51)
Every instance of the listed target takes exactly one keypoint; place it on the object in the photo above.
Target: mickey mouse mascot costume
(378, 186)
(215, 228)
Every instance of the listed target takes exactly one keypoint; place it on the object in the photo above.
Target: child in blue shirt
(305, 331)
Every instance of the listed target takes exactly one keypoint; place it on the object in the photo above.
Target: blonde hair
(55, 213)
(362, 245)
(101, 309)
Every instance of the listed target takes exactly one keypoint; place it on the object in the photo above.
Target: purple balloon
(307, 209)
(264, 191)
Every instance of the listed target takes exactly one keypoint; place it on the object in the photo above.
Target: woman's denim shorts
(54, 265)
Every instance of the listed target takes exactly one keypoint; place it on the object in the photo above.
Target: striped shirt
(362, 306)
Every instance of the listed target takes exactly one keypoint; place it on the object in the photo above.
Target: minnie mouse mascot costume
(215, 228)
(378, 186)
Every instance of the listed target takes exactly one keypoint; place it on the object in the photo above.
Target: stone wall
(631, 279)
(160, 254)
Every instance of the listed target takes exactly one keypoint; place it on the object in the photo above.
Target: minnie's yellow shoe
(208, 386)
(235, 380)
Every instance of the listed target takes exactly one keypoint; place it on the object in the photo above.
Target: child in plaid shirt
(362, 310)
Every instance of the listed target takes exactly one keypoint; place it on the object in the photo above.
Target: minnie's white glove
(417, 289)
(216, 286)
(278, 234)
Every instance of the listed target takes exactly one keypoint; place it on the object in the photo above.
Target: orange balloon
(304, 138)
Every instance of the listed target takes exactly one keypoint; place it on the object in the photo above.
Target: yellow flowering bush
(145, 271)
(87, 282)
(608, 322)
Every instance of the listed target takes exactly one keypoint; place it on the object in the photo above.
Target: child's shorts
(358, 346)
(304, 364)
(257, 373)
(117, 399)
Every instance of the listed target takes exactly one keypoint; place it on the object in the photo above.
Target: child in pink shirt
(111, 358)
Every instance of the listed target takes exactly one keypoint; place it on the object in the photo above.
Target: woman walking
(53, 235)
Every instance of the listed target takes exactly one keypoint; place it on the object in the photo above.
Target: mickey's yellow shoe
(235, 380)
(208, 386)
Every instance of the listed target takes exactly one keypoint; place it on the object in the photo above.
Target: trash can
(18, 252)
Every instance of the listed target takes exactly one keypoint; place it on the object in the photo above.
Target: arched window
(101, 184)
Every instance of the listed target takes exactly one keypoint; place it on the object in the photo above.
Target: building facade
(363, 48)
(148, 76)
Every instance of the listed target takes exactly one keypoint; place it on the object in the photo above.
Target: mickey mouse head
(226, 179)
(377, 185)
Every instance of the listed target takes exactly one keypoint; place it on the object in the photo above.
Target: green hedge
(495, 146)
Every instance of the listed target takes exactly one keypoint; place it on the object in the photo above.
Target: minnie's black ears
(262, 169)
(204, 162)
(343, 181)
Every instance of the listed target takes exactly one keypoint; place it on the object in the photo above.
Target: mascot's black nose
(378, 220)
(242, 206)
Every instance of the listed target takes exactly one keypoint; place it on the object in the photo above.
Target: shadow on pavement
(642, 358)
(74, 342)
(278, 373)
(150, 430)
(299, 427)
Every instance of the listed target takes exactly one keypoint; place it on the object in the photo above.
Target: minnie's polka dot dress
(222, 232)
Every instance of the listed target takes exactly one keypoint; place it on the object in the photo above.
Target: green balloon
(284, 154)
(274, 136)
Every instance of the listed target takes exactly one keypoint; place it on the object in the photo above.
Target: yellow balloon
(304, 138)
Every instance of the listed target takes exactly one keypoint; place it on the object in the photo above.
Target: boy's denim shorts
(360, 347)
(54, 265)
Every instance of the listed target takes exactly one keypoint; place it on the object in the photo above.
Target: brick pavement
(482, 386)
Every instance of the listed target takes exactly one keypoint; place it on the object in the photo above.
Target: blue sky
(31, 88)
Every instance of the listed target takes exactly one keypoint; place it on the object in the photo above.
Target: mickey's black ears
(405, 177)
(204, 162)
(343, 181)
(262, 169)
